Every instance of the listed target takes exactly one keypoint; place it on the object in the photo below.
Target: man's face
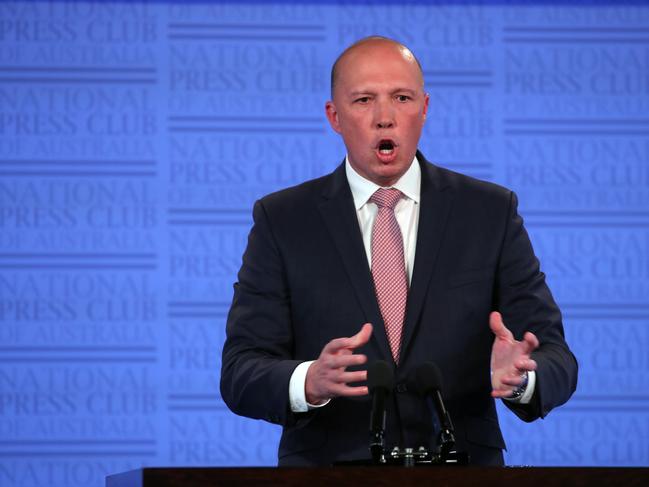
(379, 107)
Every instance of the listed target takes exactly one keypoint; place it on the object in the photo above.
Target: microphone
(380, 381)
(429, 384)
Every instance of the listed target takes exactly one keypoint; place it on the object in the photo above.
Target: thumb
(498, 327)
(362, 337)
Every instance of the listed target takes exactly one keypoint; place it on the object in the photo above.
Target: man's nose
(384, 115)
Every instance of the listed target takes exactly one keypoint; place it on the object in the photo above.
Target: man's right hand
(327, 377)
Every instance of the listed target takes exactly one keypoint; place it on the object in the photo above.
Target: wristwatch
(520, 390)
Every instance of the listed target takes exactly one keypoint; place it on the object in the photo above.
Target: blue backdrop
(135, 137)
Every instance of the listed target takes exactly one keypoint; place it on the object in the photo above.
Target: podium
(447, 476)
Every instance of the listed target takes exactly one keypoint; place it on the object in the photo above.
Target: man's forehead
(378, 47)
(373, 61)
(374, 53)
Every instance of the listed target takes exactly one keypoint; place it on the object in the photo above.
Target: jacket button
(401, 387)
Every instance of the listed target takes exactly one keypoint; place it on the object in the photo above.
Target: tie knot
(386, 197)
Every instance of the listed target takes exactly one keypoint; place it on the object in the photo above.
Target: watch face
(518, 392)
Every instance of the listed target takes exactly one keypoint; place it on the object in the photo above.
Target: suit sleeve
(257, 355)
(526, 303)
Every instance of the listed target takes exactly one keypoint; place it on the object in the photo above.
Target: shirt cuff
(526, 397)
(296, 393)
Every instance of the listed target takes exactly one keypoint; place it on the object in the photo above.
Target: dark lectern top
(447, 476)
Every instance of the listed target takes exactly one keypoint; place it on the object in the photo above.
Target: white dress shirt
(407, 215)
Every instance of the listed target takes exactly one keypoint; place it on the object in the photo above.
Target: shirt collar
(362, 189)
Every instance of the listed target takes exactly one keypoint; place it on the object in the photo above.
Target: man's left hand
(510, 359)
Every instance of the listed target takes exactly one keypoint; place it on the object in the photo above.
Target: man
(389, 258)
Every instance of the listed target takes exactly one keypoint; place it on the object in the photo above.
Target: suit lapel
(433, 215)
(339, 214)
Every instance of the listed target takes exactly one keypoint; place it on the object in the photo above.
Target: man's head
(378, 106)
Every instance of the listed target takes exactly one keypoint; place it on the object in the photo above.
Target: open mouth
(386, 147)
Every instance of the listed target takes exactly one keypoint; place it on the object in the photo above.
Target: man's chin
(389, 174)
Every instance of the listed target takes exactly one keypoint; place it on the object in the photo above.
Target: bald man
(309, 309)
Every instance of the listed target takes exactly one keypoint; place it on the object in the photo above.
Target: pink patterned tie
(388, 266)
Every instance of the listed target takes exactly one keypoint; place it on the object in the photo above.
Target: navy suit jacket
(305, 280)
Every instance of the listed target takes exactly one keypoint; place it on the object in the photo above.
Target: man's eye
(363, 99)
(403, 97)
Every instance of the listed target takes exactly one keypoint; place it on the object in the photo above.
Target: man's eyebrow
(407, 90)
(372, 92)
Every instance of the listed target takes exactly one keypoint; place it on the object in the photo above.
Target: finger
(502, 393)
(530, 341)
(526, 365)
(342, 361)
(339, 344)
(335, 345)
(509, 381)
(498, 327)
(501, 386)
(348, 391)
(349, 377)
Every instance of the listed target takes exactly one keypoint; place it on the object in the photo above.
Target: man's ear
(332, 115)
(426, 100)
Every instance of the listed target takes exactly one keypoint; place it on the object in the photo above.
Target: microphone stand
(380, 381)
